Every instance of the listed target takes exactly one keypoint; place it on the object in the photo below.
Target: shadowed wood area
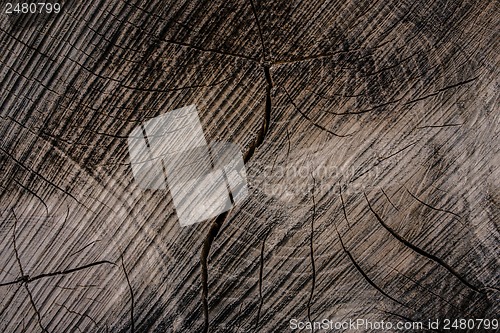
(370, 132)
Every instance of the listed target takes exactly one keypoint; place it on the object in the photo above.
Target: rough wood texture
(370, 131)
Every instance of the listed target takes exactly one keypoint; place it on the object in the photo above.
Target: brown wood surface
(370, 131)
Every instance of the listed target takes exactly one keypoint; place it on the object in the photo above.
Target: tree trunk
(370, 137)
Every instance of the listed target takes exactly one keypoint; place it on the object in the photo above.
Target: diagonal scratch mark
(397, 152)
(420, 251)
(23, 277)
(194, 86)
(425, 288)
(439, 126)
(441, 90)
(326, 55)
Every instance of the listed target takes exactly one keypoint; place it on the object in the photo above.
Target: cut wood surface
(370, 132)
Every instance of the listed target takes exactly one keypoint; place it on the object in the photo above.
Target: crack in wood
(261, 274)
(132, 322)
(365, 276)
(311, 246)
(418, 250)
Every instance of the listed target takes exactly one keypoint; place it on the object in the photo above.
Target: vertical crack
(261, 274)
(25, 278)
(33, 305)
(205, 251)
(132, 327)
(261, 36)
(219, 221)
(311, 245)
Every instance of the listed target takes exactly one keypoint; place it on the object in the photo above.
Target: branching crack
(418, 250)
(24, 279)
(309, 118)
(77, 313)
(360, 270)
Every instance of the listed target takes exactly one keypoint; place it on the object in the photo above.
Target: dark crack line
(418, 250)
(311, 245)
(261, 279)
(43, 178)
(438, 126)
(205, 251)
(77, 313)
(343, 207)
(310, 120)
(219, 221)
(201, 49)
(157, 90)
(388, 199)
(28, 279)
(132, 322)
(261, 36)
(441, 90)
(39, 317)
(24, 278)
(71, 270)
(365, 276)
(397, 152)
(83, 248)
(34, 194)
(267, 116)
(434, 208)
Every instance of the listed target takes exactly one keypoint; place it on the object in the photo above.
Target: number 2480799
(32, 8)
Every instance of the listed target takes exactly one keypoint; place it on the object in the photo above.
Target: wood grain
(370, 135)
